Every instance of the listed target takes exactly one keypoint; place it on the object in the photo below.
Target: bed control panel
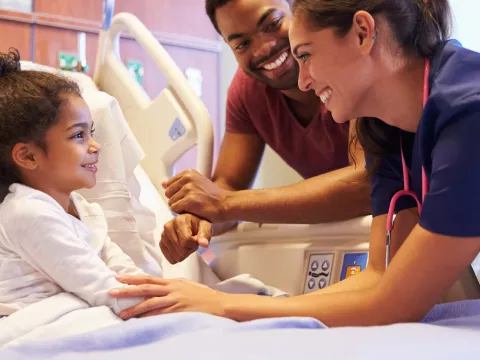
(319, 272)
(353, 263)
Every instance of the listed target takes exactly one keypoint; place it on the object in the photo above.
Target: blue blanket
(449, 331)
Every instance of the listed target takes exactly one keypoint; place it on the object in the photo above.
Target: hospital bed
(295, 258)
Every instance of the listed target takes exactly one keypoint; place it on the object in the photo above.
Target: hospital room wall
(466, 26)
(274, 171)
(52, 26)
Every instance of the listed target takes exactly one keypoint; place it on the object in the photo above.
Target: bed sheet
(449, 331)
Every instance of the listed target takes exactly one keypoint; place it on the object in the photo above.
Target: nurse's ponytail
(433, 26)
(418, 26)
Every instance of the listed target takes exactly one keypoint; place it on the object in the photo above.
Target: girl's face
(69, 162)
(337, 68)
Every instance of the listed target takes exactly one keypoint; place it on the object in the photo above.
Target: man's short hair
(211, 7)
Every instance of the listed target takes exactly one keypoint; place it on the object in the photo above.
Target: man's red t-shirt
(255, 108)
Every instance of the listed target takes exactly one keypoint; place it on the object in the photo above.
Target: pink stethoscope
(406, 183)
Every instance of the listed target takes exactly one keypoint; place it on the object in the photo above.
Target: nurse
(388, 60)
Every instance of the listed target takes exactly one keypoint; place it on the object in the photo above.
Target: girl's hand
(165, 296)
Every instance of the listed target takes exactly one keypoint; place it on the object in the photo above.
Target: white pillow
(131, 225)
(85, 82)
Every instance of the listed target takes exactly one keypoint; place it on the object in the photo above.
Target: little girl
(51, 239)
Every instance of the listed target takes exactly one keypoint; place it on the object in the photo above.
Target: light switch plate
(195, 79)
(319, 272)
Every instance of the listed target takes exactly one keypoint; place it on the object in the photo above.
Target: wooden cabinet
(50, 41)
(17, 35)
(87, 10)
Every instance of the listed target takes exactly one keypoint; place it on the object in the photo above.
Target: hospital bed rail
(293, 257)
(167, 126)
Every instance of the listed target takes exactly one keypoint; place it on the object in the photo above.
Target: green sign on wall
(67, 61)
(137, 70)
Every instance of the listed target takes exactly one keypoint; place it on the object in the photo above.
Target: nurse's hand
(191, 192)
(169, 296)
(183, 235)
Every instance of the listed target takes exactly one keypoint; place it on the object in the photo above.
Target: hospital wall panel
(17, 35)
(50, 41)
(209, 64)
(182, 17)
(89, 10)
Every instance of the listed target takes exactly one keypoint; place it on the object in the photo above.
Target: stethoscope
(406, 182)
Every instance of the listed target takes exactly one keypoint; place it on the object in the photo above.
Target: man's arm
(240, 155)
(339, 195)
(238, 162)
(334, 196)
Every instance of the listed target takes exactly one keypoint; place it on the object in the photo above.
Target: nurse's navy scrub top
(447, 143)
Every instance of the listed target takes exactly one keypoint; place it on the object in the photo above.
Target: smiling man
(265, 106)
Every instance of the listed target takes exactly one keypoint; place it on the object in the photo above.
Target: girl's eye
(78, 135)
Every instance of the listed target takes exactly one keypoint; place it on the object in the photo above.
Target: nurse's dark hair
(211, 7)
(29, 106)
(418, 26)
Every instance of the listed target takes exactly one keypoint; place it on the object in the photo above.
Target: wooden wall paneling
(91, 10)
(208, 63)
(154, 82)
(17, 35)
(50, 41)
(183, 17)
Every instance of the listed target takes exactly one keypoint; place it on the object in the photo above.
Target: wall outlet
(195, 79)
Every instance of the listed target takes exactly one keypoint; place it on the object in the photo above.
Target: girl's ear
(25, 156)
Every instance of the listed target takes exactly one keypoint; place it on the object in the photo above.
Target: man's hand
(191, 192)
(182, 236)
